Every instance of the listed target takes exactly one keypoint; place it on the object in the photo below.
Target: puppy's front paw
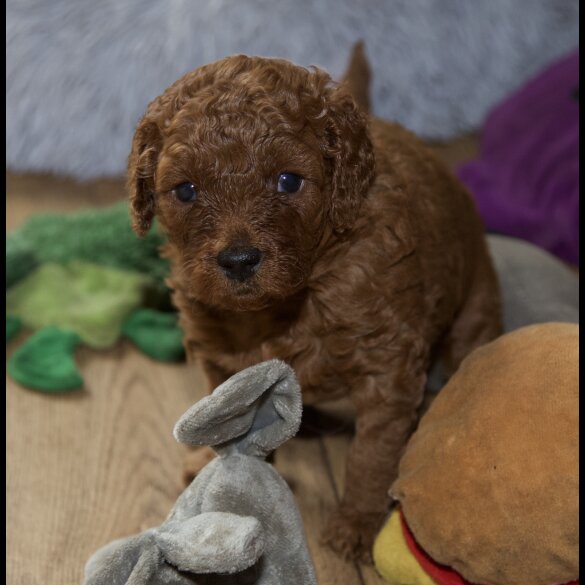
(195, 461)
(352, 535)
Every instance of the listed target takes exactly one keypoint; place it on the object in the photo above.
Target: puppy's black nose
(239, 263)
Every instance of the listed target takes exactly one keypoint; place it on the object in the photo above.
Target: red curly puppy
(299, 229)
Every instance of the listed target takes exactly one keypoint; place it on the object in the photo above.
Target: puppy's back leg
(478, 322)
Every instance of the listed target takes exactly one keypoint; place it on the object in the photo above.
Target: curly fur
(374, 266)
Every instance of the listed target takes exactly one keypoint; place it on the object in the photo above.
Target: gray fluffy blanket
(81, 72)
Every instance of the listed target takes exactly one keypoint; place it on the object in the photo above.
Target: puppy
(301, 229)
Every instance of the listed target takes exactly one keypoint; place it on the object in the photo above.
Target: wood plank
(88, 467)
(27, 194)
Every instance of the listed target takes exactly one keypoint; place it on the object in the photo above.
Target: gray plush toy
(237, 523)
(536, 286)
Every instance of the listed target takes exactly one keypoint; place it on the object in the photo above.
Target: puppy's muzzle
(239, 263)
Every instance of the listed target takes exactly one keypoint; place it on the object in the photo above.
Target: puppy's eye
(289, 183)
(185, 192)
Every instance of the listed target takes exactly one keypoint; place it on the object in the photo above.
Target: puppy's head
(248, 163)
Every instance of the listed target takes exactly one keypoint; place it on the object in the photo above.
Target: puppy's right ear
(142, 163)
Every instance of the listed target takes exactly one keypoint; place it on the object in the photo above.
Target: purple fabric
(526, 179)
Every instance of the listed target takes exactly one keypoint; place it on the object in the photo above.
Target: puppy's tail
(358, 75)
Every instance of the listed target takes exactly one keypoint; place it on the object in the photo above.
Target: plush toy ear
(141, 173)
(351, 158)
(253, 412)
(212, 542)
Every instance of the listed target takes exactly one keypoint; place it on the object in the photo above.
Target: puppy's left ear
(142, 162)
(351, 156)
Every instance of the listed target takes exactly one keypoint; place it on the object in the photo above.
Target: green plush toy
(84, 278)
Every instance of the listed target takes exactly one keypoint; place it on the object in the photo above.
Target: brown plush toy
(488, 488)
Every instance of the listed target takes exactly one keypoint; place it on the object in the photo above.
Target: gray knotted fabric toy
(237, 523)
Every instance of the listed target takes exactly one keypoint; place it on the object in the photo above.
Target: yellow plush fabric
(393, 559)
(489, 483)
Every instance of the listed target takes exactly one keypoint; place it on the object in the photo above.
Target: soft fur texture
(237, 523)
(80, 72)
(377, 263)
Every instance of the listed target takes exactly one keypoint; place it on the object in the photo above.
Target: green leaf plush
(155, 333)
(86, 272)
(45, 361)
(13, 325)
(101, 236)
(91, 300)
(20, 260)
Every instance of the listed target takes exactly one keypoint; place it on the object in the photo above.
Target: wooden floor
(85, 468)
